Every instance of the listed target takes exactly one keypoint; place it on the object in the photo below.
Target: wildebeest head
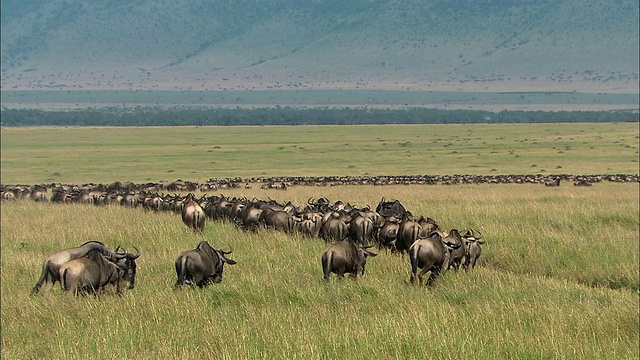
(471, 236)
(217, 272)
(127, 262)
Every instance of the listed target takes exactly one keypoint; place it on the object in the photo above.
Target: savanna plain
(557, 279)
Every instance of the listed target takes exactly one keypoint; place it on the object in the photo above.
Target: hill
(416, 45)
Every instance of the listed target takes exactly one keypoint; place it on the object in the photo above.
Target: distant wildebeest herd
(350, 230)
(81, 193)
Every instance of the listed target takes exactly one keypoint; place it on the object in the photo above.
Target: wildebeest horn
(227, 252)
(120, 255)
(310, 202)
(137, 255)
(479, 237)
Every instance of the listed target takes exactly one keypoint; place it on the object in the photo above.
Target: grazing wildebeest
(192, 214)
(345, 257)
(430, 254)
(93, 272)
(473, 249)
(51, 267)
(201, 266)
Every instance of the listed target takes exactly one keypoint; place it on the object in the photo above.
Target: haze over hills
(501, 45)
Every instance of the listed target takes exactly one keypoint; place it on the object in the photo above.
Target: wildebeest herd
(350, 231)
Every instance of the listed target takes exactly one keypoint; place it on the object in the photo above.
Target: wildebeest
(192, 214)
(552, 182)
(473, 249)
(334, 229)
(388, 233)
(51, 267)
(390, 208)
(582, 182)
(345, 257)
(201, 266)
(430, 254)
(361, 228)
(408, 233)
(458, 253)
(93, 272)
(278, 220)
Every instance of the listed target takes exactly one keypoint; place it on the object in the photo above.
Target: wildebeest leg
(432, 276)
(422, 273)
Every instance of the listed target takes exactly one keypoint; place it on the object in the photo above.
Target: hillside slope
(559, 45)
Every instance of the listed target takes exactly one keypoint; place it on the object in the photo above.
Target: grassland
(558, 277)
(82, 155)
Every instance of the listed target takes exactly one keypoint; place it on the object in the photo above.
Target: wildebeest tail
(181, 266)
(326, 265)
(413, 256)
(63, 280)
(44, 277)
(198, 219)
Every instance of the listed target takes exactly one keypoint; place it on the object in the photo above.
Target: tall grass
(558, 278)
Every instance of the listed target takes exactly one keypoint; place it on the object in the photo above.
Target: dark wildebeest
(430, 254)
(249, 217)
(309, 227)
(192, 214)
(428, 226)
(60, 195)
(278, 220)
(554, 182)
(93, 272)
(39, 195)
(388, 233)
(345, 257)
(51, 267)
(390, 208)
(201, 266)
(457, 254)
(408, 233)
(582, 182)
(361, 228)
(473, 249)
(334, 229)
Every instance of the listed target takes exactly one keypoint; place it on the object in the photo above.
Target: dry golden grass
(558, 278)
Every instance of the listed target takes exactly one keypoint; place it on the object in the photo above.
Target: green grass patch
(82, 155)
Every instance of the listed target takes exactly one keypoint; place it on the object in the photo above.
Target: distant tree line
(155, 116)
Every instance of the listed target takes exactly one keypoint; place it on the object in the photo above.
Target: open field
(103, 155)
(558, 277)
